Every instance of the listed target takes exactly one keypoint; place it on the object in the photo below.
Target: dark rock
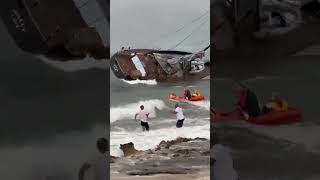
(205, 153)
(146, 171)
(113, 159)
(178, 156)
(167, 144)
(128, 149)
(164, 154)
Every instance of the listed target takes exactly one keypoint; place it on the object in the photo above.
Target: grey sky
(145, 23)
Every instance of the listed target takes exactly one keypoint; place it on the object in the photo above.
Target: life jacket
(172, 96)
(278, 104)
(196, 94)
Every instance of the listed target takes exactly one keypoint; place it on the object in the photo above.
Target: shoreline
(204, 175)
(179, 159)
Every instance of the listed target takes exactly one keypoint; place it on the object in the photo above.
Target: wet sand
(205, 175)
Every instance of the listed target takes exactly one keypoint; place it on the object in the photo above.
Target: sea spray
(129, 110)
(203, 104)
(75, 65)
(149, 140)
(147, 82)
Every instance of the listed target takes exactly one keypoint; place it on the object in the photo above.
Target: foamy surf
(256, 78)
(203, 104)
(149, 140)
(75, 65)
(147, 82)
(128, 111)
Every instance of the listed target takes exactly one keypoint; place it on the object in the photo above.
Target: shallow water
(126, 100)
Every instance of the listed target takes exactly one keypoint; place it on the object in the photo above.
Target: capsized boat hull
(22, 28)
(272, 118)
(122, 66)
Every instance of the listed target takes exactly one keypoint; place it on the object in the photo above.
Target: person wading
(144, 118)
(179, 114)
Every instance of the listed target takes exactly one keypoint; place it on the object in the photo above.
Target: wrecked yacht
(61, 31)
(161, 65)
(263, 29)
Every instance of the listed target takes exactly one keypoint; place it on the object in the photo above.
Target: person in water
(196, 93)
(173, 95)
(99, 166)
(144, 118)
(186, 93)
(277, 103)
(248, 103)
(179, 114)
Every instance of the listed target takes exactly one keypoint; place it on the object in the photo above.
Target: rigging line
(198, 27)
(189, 34)
(82, 5)
(98, 24)
(204, 41)
(183, 26)
(201, 49)
(193, 21)
(96, 20)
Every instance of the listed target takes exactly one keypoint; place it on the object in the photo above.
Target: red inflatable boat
(272, 118)
(195, 98)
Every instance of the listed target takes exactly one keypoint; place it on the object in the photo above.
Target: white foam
(256, 78)
(128, 111)
(149, 140)
(203, 104)
(76, 65)
(148, 82)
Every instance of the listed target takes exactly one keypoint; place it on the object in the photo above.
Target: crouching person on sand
(98, 168)
(221, 162)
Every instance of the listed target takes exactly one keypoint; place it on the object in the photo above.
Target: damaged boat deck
(122, 66)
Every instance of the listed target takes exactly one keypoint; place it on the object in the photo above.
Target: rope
(183, 26)
(201, 25)
(82, 5)
(97, 20)
(202, 42)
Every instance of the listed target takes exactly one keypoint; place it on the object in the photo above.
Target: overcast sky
(147, 23)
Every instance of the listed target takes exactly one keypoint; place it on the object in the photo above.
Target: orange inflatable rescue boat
(292, 115)
(194, 98)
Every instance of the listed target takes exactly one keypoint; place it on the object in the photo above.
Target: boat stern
(21, 27)
(115, 67)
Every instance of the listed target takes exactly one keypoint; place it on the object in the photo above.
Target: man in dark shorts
(180, 117)
(144, 118)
